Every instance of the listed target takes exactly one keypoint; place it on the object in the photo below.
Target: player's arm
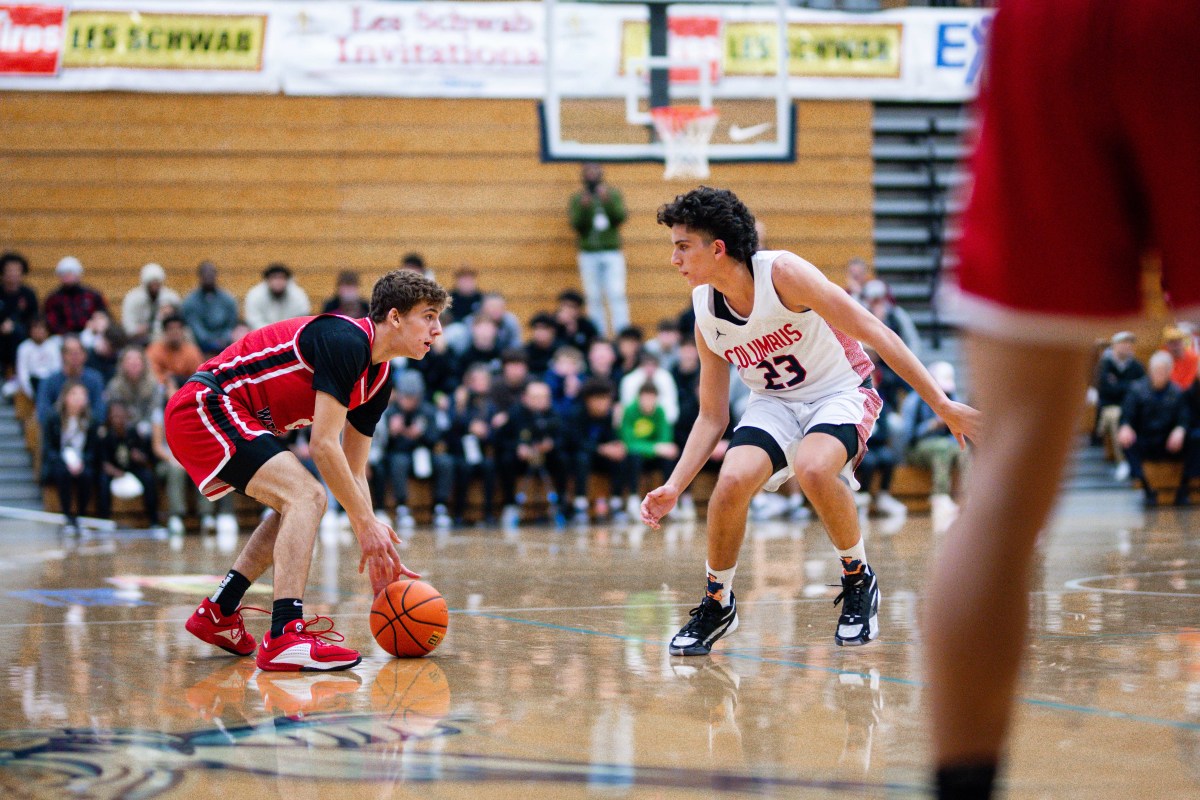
(333, 461)
(702, 439)
(357, 449)
(801, 285)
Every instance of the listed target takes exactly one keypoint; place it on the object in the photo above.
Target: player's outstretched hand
(658, 504)
(378, 542)
(962, 420)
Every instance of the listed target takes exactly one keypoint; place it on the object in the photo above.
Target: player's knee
(734, 487)
(814, 478)
(310, 497)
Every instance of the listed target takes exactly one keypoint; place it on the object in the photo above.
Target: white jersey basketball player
(794, 338)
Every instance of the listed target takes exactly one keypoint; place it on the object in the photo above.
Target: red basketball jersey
(265, 373)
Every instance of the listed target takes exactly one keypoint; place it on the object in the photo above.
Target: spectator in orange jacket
(173, 355)
(1177, 343)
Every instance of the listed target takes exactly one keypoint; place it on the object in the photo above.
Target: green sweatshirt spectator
(648, 436)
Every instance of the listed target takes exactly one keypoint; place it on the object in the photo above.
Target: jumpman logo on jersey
(719, 333)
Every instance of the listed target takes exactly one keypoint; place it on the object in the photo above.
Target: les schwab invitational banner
(490, 49)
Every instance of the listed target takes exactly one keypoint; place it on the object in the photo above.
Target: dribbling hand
(379, 556)
(658, 504)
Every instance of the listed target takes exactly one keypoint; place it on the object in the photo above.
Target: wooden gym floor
(554, 680)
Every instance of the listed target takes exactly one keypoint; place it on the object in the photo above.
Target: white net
(685, 132)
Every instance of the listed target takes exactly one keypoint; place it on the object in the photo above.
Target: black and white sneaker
(710, 621)
(859, 622)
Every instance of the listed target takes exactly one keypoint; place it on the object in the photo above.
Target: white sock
(720, 584)
(856, 553)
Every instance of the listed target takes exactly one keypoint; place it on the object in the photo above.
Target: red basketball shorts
(1088, 158)
(218, 441)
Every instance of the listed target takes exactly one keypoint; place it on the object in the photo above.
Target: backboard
(608, 63)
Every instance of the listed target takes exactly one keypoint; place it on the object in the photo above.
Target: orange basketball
(409, 619)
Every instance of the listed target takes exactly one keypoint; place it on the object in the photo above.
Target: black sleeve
(339, 352)
(1129, 409)
(1183, 414)
(367, 416)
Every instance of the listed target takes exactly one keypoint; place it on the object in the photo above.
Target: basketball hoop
(685, 132)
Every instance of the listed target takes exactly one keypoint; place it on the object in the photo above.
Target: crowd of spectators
(530, 419)
(1150, 413)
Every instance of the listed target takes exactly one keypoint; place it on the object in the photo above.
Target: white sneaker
(687, 507)
(1121, 473)
(404, 519)
(889, 505)
(580, 506)
(226, 523)
(510, 517)
(441, 517)
(175, 525)
(633, 507)
(892, 524)
(944, 512)
(800, 513)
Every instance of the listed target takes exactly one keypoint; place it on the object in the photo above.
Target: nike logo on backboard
(739, 134)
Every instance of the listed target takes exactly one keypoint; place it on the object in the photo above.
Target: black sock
(284, 611)
(230, 592)
(966, 782)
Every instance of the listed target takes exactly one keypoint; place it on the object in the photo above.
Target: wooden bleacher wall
(322, 184)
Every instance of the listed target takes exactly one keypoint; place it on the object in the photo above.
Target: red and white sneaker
(305, 649)
(228, 633)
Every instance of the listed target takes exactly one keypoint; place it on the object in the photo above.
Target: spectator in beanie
(145, 305)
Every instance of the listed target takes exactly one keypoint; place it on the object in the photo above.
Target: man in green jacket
(597, 212)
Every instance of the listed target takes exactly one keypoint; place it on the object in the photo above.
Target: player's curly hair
(718, 214)
(404, 290)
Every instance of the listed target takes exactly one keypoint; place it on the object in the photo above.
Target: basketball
(409, 619)
(413, 695)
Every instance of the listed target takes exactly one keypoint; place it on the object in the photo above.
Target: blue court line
(1046, 704)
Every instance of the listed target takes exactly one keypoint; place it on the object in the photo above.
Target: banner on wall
(826, 50)
(413, 49)
(210, 46)
(465, 49)
(143, 40)
(30, 39)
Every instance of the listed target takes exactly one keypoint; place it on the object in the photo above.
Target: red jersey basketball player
(329, 372)
(794, 338)
(1088, 158)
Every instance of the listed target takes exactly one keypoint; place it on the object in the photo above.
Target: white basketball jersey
(787, 354)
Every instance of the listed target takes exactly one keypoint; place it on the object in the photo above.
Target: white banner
(491, 50)
(145, 45)
(414, 49)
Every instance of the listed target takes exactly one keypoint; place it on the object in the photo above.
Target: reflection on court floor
(554, 680)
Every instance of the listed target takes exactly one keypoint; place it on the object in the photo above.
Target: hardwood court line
(1087, 710)
(460, 611)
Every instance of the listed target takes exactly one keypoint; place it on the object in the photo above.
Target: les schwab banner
(142, 40)
(737, 49)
